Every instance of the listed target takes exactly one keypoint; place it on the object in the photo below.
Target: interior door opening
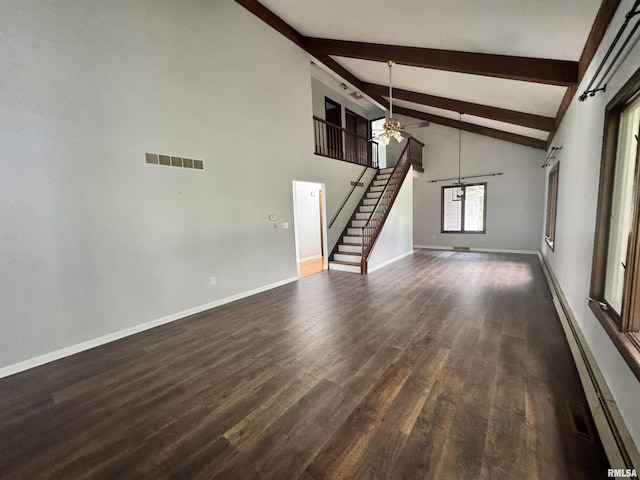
(309, 213)
(376, 129)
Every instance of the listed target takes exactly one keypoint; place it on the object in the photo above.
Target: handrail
(346, 199)
(371, 230)
(336, 142)
(338, 127)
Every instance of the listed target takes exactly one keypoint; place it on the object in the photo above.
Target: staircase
(347, 255)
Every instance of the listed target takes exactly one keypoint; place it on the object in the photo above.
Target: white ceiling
(548, 29)
(527, 28)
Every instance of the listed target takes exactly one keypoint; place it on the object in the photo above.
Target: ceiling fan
(392, 128)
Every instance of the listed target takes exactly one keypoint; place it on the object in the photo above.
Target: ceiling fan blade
(405, 134)
(417, 125)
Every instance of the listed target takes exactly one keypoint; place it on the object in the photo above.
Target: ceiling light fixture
(392, 128)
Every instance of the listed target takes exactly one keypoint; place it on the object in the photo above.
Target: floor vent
(169, 161)
(463, 249)
(579, 420)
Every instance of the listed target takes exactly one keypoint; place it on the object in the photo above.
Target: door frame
(322, 203)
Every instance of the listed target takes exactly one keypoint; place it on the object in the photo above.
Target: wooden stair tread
(342, 262)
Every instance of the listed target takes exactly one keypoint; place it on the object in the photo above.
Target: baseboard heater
(462, 249)
(616, 439)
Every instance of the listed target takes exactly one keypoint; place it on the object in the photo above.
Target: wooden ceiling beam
(537, 70)
(473, 128)
(274, 21)
(603, 18)
(529, 120)
(289, 32)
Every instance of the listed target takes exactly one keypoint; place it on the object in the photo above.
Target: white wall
(515, 200)
(396, 237)
(92, 240)
(580, 135)
(321, 90)
(307, 220)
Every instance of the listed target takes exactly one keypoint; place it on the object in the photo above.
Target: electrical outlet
(213, 280)
(285, 225)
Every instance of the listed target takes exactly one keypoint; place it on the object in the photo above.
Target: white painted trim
(384, 264)
(111, 337)
(308, 259)
(473, 249)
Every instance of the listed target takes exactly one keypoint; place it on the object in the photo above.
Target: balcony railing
(336, 142)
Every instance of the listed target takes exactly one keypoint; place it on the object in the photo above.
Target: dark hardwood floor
(440, 366)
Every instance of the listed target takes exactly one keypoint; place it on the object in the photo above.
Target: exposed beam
(603, 18)
(274, 21)
(278, 24)
(538, 70)
(473, 128)
(289, 32)
(500, 114)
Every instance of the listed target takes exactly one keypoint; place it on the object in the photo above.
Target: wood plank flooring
(444, 365)
(310, 267)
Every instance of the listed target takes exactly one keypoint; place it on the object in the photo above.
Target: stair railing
(348, 196)
(371, 230)
(336, 142)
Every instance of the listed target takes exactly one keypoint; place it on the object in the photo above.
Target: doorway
(376, 129)
(333, 115)
(357, 146)
(309, 213)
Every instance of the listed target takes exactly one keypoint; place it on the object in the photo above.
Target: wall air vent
(171, 161)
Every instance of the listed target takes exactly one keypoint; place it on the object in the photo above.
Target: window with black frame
(552, 206)
(464, 208)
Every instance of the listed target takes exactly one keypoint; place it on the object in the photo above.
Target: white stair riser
(373, 194)
(386, 170)
(344, 268)
(341, 257)
(382, 177)
(363, 216)
(350, 248)
(366, 208)
(358, 223)
(379, 183)
(352, 239)
(376, 189)
(354, 231)
(369, 201)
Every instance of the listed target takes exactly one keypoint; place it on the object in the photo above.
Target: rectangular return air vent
(169, 161)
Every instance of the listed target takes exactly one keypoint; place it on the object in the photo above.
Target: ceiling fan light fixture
(391, 130)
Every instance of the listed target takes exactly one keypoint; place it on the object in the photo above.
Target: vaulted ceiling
(509, 67)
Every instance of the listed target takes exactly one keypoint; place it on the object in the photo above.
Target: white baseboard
(307, 259)
(616, 439)
(473, 249)
(395, 259)
(96, 342)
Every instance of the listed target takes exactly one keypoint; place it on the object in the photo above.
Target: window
(615, 282)
(552, 205)
(464, 208)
